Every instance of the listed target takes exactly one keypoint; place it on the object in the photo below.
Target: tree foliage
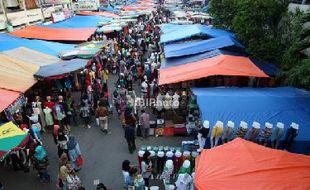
(270, 33)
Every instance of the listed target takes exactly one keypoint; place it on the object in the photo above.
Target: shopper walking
(145, 124)
(41, 163)
(102, 114)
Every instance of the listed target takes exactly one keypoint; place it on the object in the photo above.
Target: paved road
(103, 156)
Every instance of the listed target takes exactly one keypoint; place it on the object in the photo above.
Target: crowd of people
(134, 55)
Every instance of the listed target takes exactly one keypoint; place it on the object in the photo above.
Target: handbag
(79, 161)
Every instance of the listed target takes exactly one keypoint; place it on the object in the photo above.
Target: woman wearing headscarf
(62, 142)
(41, 163)
(74, 152)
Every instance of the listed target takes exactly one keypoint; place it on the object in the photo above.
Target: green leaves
(270, 33)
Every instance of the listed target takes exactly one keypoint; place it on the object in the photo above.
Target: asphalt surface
(103, 155)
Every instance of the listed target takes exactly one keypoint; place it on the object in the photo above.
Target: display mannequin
(228, 131)
(242, 130)
(49, 103)
(41, 114)
(160, 161)
(203, 135)
(216, 134)
(177, 161)
(291, 133)
(254, 131)
(167, 101)
(186, 155)
(140, 156)
(277, 135)
(193, 159)
(169, 155)
(168, 171)
(185, 168)
(154, 162)
(184, 182)
(48, 116)
(265, 134)
(176, 101)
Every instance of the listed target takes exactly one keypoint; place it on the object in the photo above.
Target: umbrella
(11, 137)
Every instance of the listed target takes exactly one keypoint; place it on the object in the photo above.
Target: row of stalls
(222, 83)
(49, 57)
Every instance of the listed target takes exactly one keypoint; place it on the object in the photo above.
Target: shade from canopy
(226, 65)
(15, 74)
(61, 69)
(243, 165)
(101, 13)
(190, 48)
(7, 97)
(9, 42)
(189, 31)
(31, 56)
(56, 34)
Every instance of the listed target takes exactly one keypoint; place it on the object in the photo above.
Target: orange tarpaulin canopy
(243, 165)
(134, 8)
(7, 97)
(226, 65)
(101, 13)
(57, 34)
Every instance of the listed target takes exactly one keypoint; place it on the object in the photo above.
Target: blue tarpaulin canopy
(190, 48)
(176, 61)
(272, 105)
(79, 22)
(109, 9)
(61, 68)
(189, 31)
(9, 42)
(167, 28)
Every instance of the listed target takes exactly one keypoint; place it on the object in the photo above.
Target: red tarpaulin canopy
(101, 13)
(243, 165)
(7, 97)
(56, 34)
(226, 65)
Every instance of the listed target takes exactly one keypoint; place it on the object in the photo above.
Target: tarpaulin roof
(15, 74)
(56, 34)
(250, 166)
(190, 48)
(269, 68)
(31, 56)
(79, 22)
(9, 42)
(134, 7)
(189, 31)
(61, 68)
(101, 13)
(109, 9)
(7, 97)
(167, 28)
(225, 65)
(272, 105)
(172, 62)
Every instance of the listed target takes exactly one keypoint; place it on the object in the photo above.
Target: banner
(90, 5)
(51, 2)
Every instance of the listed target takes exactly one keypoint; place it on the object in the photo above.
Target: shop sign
(53, 2)
(58, 16)
(86, 5)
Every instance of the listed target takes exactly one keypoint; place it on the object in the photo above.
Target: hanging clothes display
(227, 136)
(160, 161)
(291, 133)
(265, 134)
(177, 161)
(242, 130)
(254, 131)
(277, 135)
